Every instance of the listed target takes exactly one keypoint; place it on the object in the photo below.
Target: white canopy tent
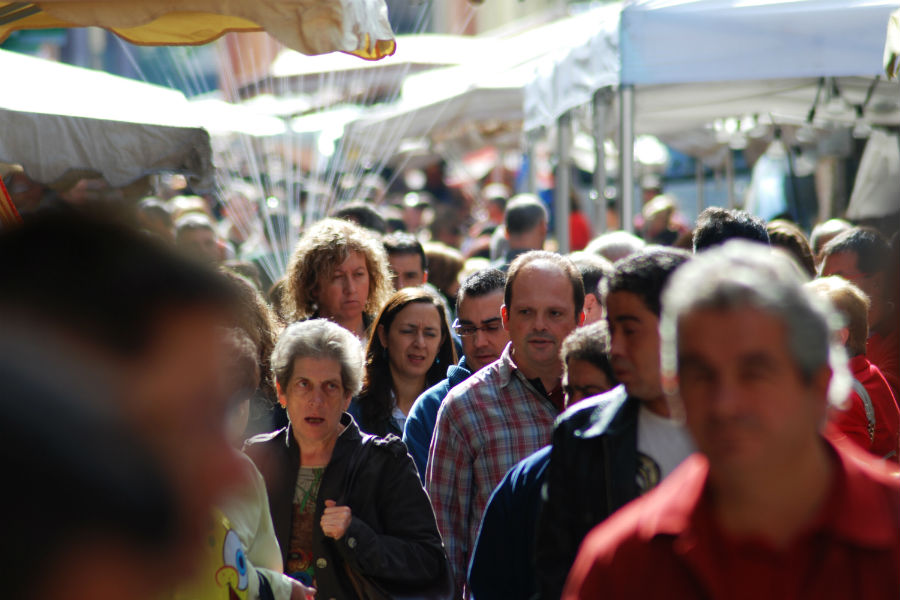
(683, 63)
(72, 119)
(481, 98)
(344, 76)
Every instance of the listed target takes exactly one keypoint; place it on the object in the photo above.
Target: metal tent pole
(563, 185)
(729, 177)
(599, 109)
(626, 156)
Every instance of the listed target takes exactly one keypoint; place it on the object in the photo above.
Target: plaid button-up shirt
(485, 425)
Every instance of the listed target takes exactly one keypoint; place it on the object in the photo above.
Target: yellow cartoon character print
(225, 572)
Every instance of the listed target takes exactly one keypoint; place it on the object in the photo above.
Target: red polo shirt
(667, 544)
(853, 422)
(884, 352)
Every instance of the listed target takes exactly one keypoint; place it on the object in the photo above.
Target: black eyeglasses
(489, 326)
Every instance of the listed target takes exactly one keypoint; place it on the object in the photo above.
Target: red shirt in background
(853, 422)
(667, 544)
(884, 352)
(579, 231)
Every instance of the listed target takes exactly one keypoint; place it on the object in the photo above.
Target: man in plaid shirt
(506, 411)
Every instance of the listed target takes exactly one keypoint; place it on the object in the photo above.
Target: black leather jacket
(592, 473)
(393, 537)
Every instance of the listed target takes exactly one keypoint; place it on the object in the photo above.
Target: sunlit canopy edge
(357, 27)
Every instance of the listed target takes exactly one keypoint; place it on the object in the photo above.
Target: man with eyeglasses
(480, 328)
(506, 411)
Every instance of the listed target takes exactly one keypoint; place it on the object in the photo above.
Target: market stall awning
(72, 119)
(336, 77)
(892, 45)
(475, 99)
(737, 40)
(357, 27)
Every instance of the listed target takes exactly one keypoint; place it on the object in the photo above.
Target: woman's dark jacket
(393, 537)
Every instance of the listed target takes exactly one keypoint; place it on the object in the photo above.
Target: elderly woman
(349, 511)
(409, 351)
(338, 271)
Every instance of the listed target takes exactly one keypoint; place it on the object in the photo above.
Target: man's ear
(282, 400)
(819, 385)
(504, 316)
(580, 319)
(844, 334)
(425, 276)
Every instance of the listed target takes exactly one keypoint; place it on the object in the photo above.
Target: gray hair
(743, 274)
(615, 245)
(319, 338)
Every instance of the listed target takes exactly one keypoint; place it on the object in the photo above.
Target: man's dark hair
(645, 274)
(871, 248)
(101, 281)
(405, 243)
(481, 283)
(524, 212)
(363, 215)
(715, 225)
(593, 270)
(563, 263)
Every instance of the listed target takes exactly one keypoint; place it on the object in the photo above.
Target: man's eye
(493, 326)
(466, 330)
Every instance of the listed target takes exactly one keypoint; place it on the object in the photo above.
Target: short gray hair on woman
(740, 275)
(319, 338)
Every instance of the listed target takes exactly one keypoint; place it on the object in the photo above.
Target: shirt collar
(506, 366)
(858, 508)
(858, 364)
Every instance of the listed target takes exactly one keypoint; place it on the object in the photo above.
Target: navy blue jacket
(423, 415)
(592, 473)
(502, 563)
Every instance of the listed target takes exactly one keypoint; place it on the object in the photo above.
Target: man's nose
(616, 344)
(724, 398)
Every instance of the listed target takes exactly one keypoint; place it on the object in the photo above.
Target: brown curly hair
(320, 250)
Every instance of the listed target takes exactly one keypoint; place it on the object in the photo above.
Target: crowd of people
(708, 412)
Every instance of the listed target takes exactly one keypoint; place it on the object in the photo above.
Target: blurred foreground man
(768, 508)
(144, 322)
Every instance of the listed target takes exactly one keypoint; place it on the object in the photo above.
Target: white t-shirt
(662, 445)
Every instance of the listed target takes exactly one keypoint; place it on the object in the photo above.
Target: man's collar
(858, 508)
(506, 366)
